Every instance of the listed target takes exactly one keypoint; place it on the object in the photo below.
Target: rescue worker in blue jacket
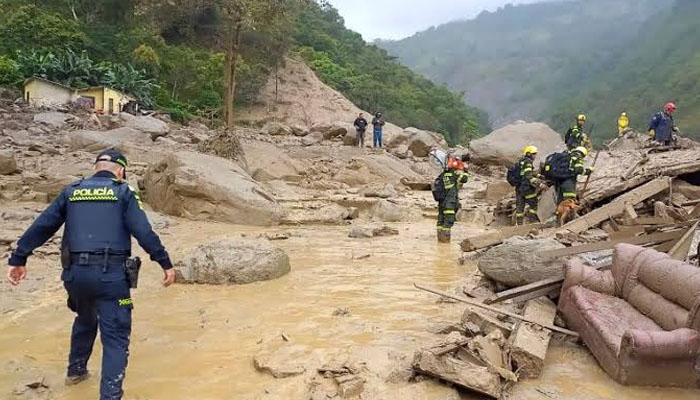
(662, 127)
(452, 178)
(530, 185)
(100, 214)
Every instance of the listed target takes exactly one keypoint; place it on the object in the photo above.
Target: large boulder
(504, 146)
(147, 124)
(267, 162)
(233, 261)
(204, 187)
(53, 119)
(330, 131)
(8, 164)
(312, 139)
(276, 129)
(517, 261)
(418, 141)
(123, 139)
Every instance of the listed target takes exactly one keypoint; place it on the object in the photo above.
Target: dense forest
(208, 57)
(550, 61)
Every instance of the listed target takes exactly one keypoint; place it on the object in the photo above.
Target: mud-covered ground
(335, 306)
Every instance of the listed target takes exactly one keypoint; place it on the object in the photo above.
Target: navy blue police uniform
(100, 215)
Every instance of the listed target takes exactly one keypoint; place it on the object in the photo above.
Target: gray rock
(312, 139)
(418, 141)
(369, 231)
(330, 131)
(505, 146)
(148, 124)
(386, 211)
(380, 190)
(8, 164)
(276, 129)
(233, 261)
(299, 130)
(350, 138)
(53, 119)
(203, 187)
(20, 138)
(123, 139)
(517, 262)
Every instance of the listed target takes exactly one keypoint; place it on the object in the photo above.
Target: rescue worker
(575, 136)
(662, 127)
(100, 213)
(360, 127)
(451, 179)
(623, 124)
(566, 188)
(530, 184)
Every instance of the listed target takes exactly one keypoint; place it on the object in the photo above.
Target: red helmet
(670, 107)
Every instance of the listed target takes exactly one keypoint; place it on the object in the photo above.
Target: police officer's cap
(112, 155)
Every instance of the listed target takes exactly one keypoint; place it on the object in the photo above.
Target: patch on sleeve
(137, 196)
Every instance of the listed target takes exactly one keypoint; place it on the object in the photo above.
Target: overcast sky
(397, 19)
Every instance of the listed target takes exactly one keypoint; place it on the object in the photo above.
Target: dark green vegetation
(553, 60)
(176, 54)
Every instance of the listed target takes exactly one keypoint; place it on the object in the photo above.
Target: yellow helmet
(530, 150)
(582, 150)
(581, 117)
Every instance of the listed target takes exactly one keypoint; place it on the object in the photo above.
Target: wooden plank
(547, 206)
(544, 284)
(630, 212)
(588, 248)
(616, 207)
(498, 237)
(627, 232)
(680, 250)
(497, 310)
(650, 221)
(537, 294)
(528, 344)
(696, 212)
(665, 247)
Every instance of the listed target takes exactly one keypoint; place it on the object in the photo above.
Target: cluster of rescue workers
(560, 169)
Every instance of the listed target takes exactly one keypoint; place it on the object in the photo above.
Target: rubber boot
(532, 219)
(76, 379)
(443, 236)
(518, 221)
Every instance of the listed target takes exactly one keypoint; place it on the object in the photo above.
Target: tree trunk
(230, 72)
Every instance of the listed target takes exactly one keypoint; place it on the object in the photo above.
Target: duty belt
(97, 259)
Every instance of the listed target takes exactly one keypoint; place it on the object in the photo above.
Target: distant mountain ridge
(547, 61)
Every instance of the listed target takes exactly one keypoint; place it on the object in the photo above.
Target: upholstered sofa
(640, 319)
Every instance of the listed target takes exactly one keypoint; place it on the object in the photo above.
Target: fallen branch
(497, 310)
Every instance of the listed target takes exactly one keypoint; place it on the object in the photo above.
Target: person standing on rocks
(575, 136)
(446, 193)
(100, 214)
(528, 183)
(360, 126)
(378, 123)
(623, 124)
(662, 127)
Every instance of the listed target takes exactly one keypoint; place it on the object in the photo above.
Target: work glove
(589, 170)
(652, 134)
(675, 129)
(543, 186)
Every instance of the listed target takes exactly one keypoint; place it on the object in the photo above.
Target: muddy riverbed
(199, 342)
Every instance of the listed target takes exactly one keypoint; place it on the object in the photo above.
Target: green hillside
(550, 61)
(173, 55)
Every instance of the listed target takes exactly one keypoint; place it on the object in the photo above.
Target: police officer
(100, 213)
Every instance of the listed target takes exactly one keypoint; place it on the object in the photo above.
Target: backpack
(513, 175)
(556, 167)
(439, 192)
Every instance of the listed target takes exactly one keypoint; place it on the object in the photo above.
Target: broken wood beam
(649, 221)
(630, 212)
(529, 343)
(617, 206)
(545, 284)
(630, 231)
(496, 310)
(680, 250)
(491, 239)
(478, 378)
(696, 212)
(588, 248)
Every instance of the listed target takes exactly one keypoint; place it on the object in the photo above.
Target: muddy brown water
(198, 342)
